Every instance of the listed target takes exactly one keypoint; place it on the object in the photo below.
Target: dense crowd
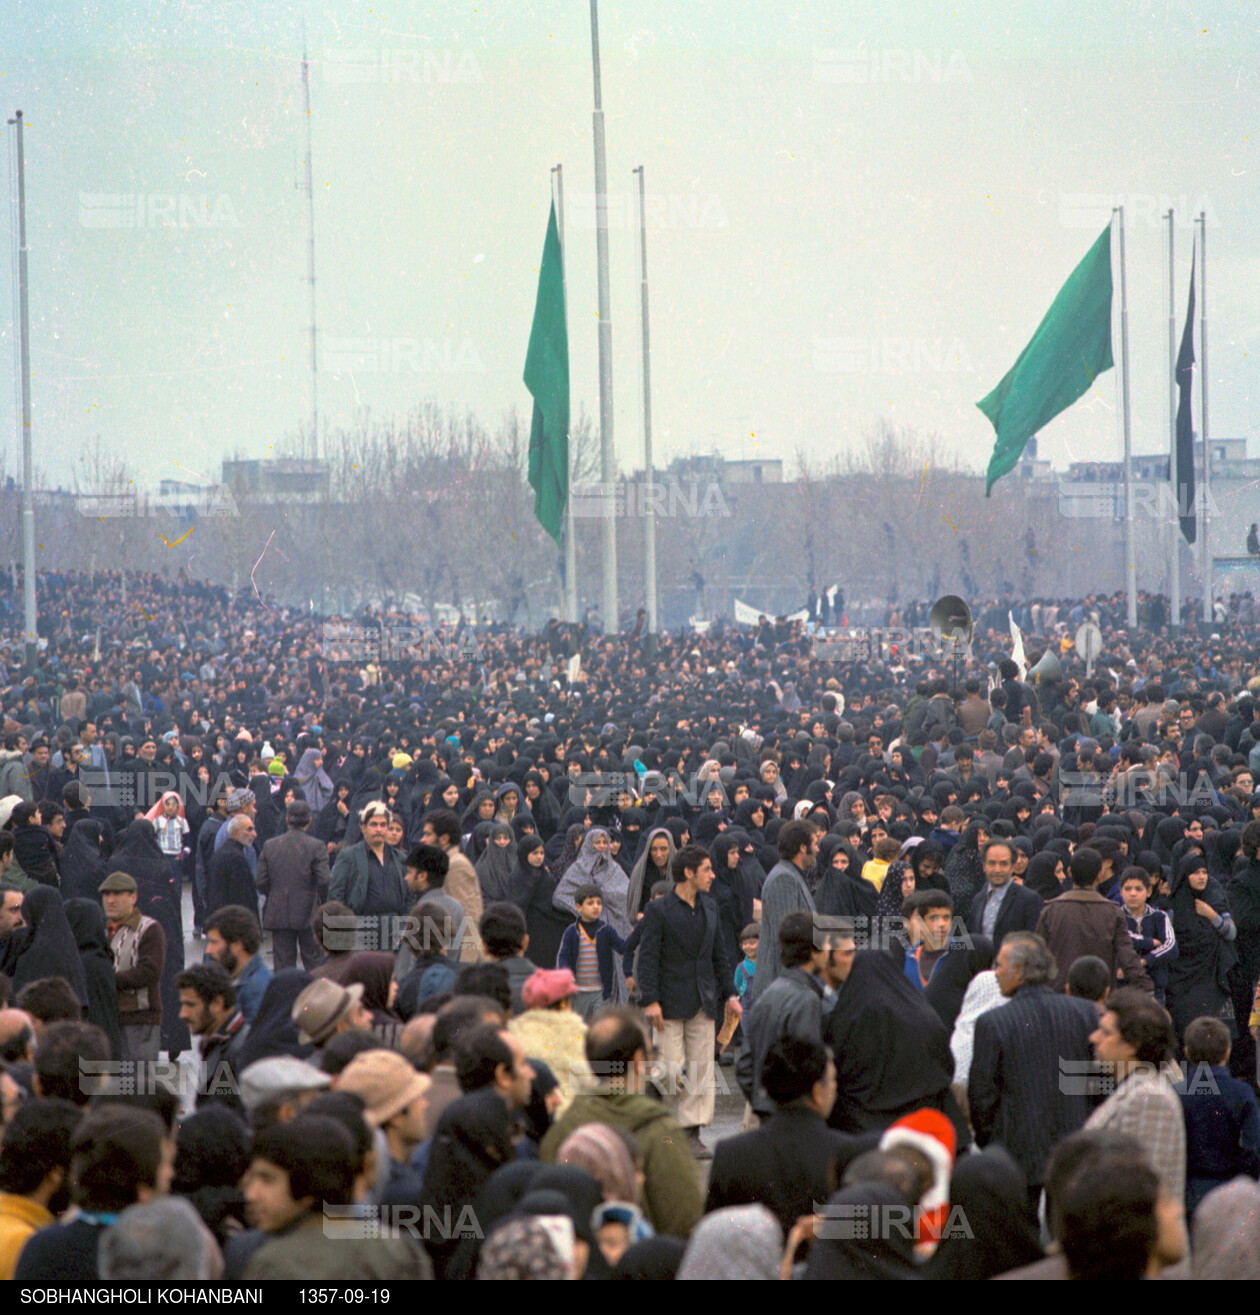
(974, 951)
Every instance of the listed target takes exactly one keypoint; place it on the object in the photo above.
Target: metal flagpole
(310, 247)
(570, 537)
(1208, 600)
(24, 370)
(649, 526)
(1174, 565)
(1130, 564)
(608, 463)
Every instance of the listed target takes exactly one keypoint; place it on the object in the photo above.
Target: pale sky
(860, 212)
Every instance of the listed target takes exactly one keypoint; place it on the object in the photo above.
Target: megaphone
(950, 619)
(1047, 671)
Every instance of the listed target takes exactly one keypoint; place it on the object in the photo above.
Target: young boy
(748, 939)
(629, 956)
(1150, 929)
(586, 950)
(1222, 1121)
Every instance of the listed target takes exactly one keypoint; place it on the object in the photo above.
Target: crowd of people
(970, 958)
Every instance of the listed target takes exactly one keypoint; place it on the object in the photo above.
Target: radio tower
(307, 186)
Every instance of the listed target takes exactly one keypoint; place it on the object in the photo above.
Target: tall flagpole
(608, 462)
(310, 248)
(24, 389)
(1174, 564)
(1208, 600)
(1130, 564)
(570, 537)
(649, 525)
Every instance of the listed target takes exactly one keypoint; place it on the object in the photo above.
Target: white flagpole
(1208, 599)
(1174, 564)
(1130, 563)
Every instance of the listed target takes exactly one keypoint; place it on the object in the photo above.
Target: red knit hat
(930, 1132)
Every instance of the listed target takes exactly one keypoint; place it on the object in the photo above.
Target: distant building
(762, 470)
(289, 480)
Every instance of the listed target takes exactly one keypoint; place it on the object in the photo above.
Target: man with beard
(233, 939)
(34, 1173)
(207, 1003)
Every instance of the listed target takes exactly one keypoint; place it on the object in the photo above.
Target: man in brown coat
(293, 874)
(1081, 922)
(441, 828)
(973, 712)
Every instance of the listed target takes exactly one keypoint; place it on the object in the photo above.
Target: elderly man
(161, 1240)
(293, 875)
(1028, 1083)
(230, 879)
(238, 801)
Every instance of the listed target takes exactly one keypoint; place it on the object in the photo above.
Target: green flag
(1071, 347)
(547, 378)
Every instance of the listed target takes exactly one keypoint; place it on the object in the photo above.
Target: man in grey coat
(293, 874)
(784, 892)
(792, 1005)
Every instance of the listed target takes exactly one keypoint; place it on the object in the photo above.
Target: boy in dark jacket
(629, 956)
(587, 949)
(1150, 928)
(1222, 1121)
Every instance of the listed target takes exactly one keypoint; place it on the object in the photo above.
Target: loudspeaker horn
(1047, 670)
(951, 619)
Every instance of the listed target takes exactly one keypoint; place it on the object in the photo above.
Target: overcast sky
(859, 212)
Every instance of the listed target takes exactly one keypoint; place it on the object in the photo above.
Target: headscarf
(645, 874)
(273, 1032)
(1000, 1234)
(656, 1259)
(87, 924)
(140, 856)
(601, 1151)
(267, 819)
(156, 811)
(732, 889)
(1203, 956)
(480, 838)
(964, 868)
(1039, 875)
(374, 971)
(633, 820)
(315, 781)
(83, 861)
(498, 1198)
(891, 1048)
(846, 894)
(741, 1242)
(873, 1252)
(473, 1139)
(533, 891)
(51, 949)
(1227, 1232)
(521, 1248)
(591, 868)
(496, 866)
(569, 848)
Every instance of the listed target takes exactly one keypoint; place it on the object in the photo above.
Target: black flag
(1185, 424)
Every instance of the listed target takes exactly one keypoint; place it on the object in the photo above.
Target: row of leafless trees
(436, 508)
